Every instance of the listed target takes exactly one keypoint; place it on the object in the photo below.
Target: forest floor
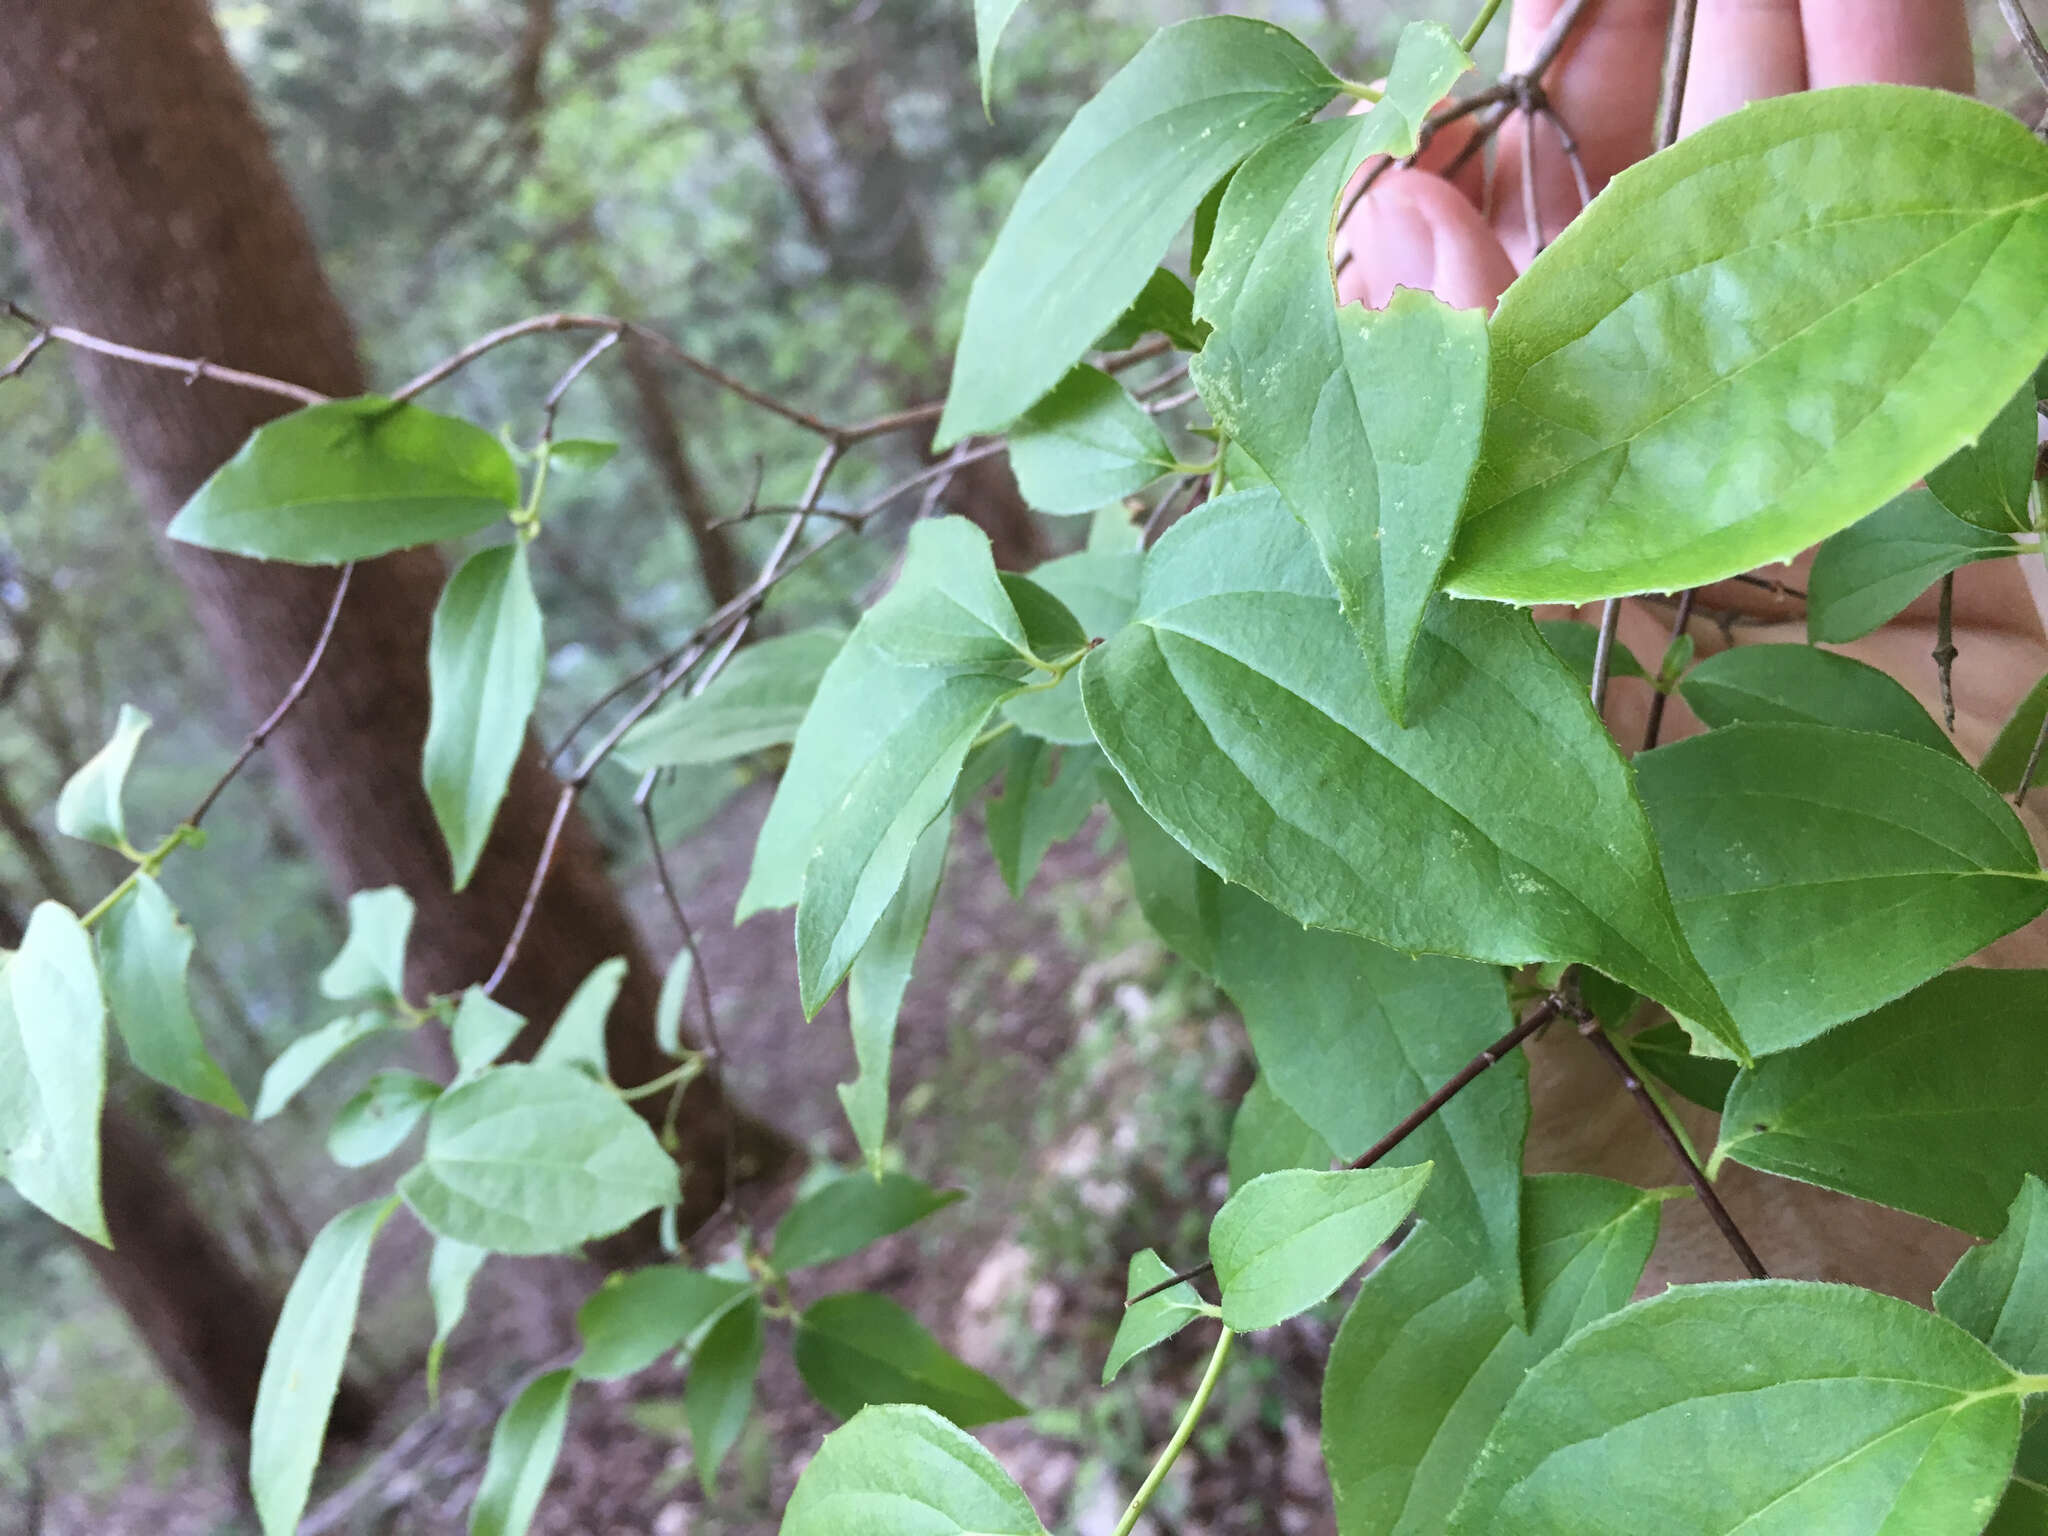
(1050, 1060)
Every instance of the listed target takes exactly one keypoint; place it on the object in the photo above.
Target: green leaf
(1999, 1292)
(636, 1317)
(1800, 685)
(483, 1028)
(1987, 482)
(1165, 306)
(532, 1159)
(1178, 894)
(1267, 1136)
(302, 1371)
(1239, 710)
(669, 1002)
(1352, 1036)
(349, 480)
(1820, 872)
(876, 759)
(1048, 792)
(720, 1392)
(450, 1269)
(990, 17)
(1664, 1052)
(1754, 338)
(1865, 575)
(1152, 1321)
(581, 453)
(304, 1059)
(845, 1214)
(1100, 590)
(856, 1348)
(1426, 1358)
(875, 987)
(901, 1468)
(53, 1071)
(371, 965)
(1368, 421)
(2022, 1512)
(1577, 644)
(523, 1451)
(143, 954)
(1287, 1240)
(577, 1039)
(1085, 445)
(89, 805)
(2004, 764)
(1772, 1408)
(757, 702)
(1933, 1104)
(484, 666)
(375, 1123)
(1094, 218)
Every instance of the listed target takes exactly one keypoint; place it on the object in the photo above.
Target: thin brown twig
(193, 368)
(1653, 727)
(553, 403)
(2028, 39)
(2033, 761)
(1542, 1014)
(1945, 649)
(1589, 1027)
(1677, 66)
(292, 695)
(563, 802)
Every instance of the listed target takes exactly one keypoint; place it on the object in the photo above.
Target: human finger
(1415, 230)
(1742, 51)
(1906, 42)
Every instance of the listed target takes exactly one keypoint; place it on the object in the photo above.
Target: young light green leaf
(302, 1371)
(1820, 872)
(1155, 1319)
(856, 1348)
(670, 1001)
(375, 1123)
(843, 1216)
(53, 1071)
(896, 1464)
(1352, 1036)
(720, 1391)
(1865, 575)
(523, 1451)
(577, 1040)
(1267, 1136)
(371, 965)
(350, 480)
(303, 1060)
(1100, 210)
(451, 1267)
(757, 702)
(143, 954)
(1085, 445)
(1802, 685)
(1932, 1104)
(1669, 404)
(638, 1316)
(1664, 1052)
(1999, 1292)
(875, 987)
(1769, 1408)
(1048, 792)
(2004, 764)
(482, 1029)
(1286, 1240)
(1239, 710)
(990, 17)
(581, 453)
(1368, 421)
(1165, 306)
(530, 1159)
(1100, 590)
(484, 666)
(89, 805)
(1577, 644)
(1426, 1358)
(1987, 482)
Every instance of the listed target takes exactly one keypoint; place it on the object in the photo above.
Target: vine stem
(1182, 1433)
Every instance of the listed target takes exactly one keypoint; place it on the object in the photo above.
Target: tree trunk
(139, 181)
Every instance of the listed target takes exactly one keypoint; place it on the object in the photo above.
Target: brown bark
(661, 439)
(139, 181)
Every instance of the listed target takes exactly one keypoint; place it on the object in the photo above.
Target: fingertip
(1415, 230)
